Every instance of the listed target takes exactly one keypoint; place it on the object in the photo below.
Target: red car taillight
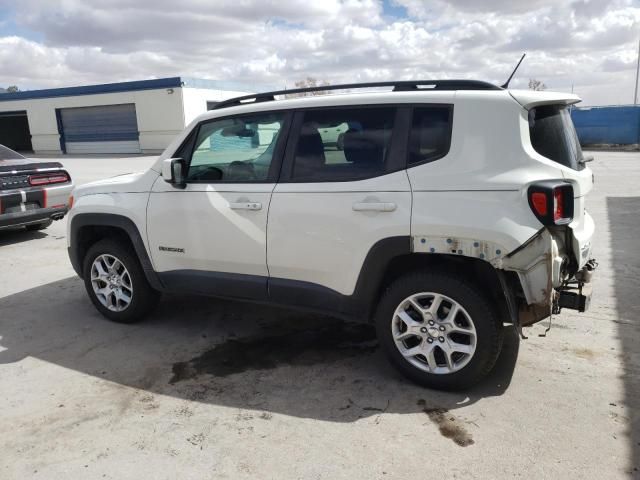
(48, 179)
(558, 205)
(552, 202)
(539, 203)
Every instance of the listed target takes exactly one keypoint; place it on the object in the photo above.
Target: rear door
(335, 202)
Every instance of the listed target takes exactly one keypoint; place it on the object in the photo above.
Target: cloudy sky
(588, 44)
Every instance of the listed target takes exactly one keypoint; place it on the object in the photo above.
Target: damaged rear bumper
(576, 294)
(543, 267)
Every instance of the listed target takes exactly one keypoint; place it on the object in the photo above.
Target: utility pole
(635, 93)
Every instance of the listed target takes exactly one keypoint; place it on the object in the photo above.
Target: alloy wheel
(111, 283)
(434, 333)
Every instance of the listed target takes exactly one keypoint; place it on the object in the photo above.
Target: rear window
(8, 154)
(553, 135)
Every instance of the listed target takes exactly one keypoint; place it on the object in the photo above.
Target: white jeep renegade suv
(450, 209)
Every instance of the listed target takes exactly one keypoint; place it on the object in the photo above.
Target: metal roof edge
(137, 85)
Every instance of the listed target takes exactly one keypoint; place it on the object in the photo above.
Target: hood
(129, 183)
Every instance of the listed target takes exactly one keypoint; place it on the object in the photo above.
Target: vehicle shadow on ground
(624, 225)
(10, 237)
(231, 354)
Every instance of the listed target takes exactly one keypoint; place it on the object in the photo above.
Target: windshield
(8, 154)
(553, 135)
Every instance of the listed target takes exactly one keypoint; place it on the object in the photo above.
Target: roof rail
(400, 86)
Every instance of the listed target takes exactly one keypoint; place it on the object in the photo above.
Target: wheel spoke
(458, 329)
(126, 280)
(413, 351)
(451, 316)
(108, 261)
(99, 278)
(406, 318)
(460, 347)
(103, 291)
(112, 301)
(122, 296)
(435, 305)
(118, 268)
(99, 268)
(431, 359)
(400, 336)
(419, 308)
(448, 359)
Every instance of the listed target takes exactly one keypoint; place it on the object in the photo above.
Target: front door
(211, 236)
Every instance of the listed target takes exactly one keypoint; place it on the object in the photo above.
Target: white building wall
(195, 100)
(159, 115)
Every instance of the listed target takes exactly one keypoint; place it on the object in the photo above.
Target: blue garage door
(101, 129)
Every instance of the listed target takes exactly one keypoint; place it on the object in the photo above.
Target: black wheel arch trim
(121, 222)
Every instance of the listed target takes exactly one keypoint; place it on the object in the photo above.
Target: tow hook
(573, 295)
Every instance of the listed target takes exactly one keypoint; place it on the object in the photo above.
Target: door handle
(374, 207)
(245, 206)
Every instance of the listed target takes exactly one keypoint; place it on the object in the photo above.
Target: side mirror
(174, 171)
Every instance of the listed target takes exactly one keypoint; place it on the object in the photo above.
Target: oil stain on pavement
(448, 424)
(322, 343)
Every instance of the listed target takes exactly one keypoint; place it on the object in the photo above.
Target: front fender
(83, 227)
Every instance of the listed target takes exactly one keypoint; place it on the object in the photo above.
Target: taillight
(552, 202)
(558, 205)
(539, 203)
(37, 180)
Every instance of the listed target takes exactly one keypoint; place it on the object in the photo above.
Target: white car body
(318, 236)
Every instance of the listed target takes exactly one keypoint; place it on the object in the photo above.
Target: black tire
(489, 328)
(34, 227)
(143, 299)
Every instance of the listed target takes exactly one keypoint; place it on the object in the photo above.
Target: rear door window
(553, 135)
(343, 144)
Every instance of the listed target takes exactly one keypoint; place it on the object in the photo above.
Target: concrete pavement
(214, 389)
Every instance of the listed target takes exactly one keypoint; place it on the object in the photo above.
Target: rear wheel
(438, 331)
(116, 283)
(38, 226)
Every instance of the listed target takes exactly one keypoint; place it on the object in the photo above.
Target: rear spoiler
(29, 167)
(530, 98)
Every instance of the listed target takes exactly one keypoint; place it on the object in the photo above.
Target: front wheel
(438, 331)
(115, 282)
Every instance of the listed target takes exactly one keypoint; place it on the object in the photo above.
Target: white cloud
(589, 44)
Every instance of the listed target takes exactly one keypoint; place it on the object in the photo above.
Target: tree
(309, 82)
(536, 85)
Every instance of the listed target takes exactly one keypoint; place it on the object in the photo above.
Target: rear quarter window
(430, 137)
(553, 135)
